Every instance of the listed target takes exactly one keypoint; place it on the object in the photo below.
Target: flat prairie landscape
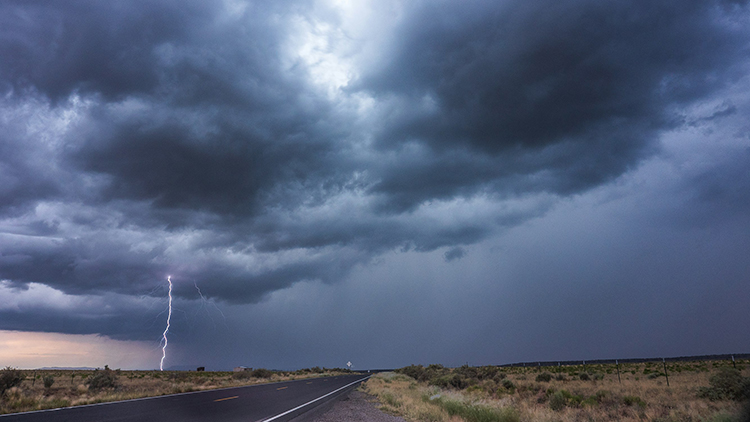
(697, 391)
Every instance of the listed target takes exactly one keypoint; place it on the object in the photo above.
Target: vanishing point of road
(275, 402)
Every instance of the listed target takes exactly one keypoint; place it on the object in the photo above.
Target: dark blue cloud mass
(217, 141)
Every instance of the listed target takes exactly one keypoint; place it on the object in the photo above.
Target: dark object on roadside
(201, 369)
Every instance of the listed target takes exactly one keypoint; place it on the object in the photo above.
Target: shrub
(508, 385)
(584, 377)
(560, 377)
(558, 401)
(48, 381)
(9, 378)
(488, 372)
(600, 395)
(454, 381)
(591, 401)
(727, 384)
(430, 373)
(466, 371)
(414, 371)
(544, 377)
(102, 379)
(262, 373)
(474, 413)
(390, 399)
(242, 375)
(633, 400)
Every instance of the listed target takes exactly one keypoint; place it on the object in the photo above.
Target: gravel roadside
(357, 406)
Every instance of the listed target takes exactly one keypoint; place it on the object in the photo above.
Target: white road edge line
(312, 401)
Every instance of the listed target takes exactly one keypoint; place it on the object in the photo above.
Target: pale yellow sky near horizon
(29, 350)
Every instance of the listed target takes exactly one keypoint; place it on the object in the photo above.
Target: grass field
(572, 393)
(71, 388)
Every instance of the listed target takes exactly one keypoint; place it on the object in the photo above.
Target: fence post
(618, 371)
(666, 374)
(733, 363)
(33, 380)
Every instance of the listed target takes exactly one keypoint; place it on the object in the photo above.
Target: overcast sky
(385, 182)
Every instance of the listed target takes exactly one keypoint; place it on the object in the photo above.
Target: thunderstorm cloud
(261, 148)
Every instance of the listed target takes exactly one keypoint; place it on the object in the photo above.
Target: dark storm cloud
(89, 46)
(171, 137)
(120, 48)
(74, 321)
(583, 86)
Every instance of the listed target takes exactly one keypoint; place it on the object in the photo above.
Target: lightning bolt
(204, 301)
(166, 330)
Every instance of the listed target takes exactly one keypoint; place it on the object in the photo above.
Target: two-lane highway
(275, 402)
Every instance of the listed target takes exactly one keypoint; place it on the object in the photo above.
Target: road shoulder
(355, 406)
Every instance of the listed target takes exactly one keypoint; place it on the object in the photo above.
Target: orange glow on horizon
(28, 350)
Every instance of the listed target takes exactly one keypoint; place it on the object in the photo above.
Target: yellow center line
(227, 398)
(282, 388)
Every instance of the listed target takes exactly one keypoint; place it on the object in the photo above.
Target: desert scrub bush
(509, 385)
(544, 377)
(452, 381)
(389, 399)
(9, 378)
(584, 376)
(475, 413)
(633, 401)
(420, 373)
(262, 373)
(242, 375)
(101, 379)
(48, 381)
(727, 384)
(558, 401)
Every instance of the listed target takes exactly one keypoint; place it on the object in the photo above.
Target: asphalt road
(275, 402)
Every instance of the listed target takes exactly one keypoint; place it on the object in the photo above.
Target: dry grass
(638, 397)
(69, 388)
